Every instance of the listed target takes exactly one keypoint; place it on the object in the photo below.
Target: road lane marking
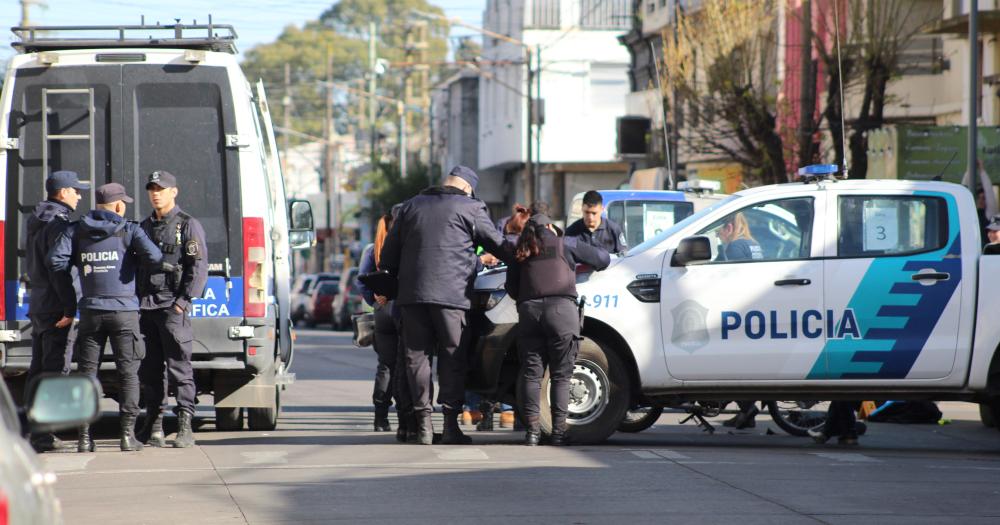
(333, 466)
(66, 462)
(264, 458)
(461, 454)
(669, 454)
(847, 457)
(645, 454)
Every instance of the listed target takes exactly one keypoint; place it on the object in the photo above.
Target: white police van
(866, 290)
(114, 103)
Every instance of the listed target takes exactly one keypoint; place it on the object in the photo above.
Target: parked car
(300, 295)
(348, 301)
(54, 403)
(320, 307)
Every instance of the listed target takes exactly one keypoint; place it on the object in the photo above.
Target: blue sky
(256, 21)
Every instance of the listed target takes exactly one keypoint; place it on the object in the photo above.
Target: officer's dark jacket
(185, 273)
(51, 292)
(741, 250)
(107, 251)
(552, 273)
(608, 235)
(431, 247)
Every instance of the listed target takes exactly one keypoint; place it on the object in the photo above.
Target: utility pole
(529, 175)
(807, 86)
(286, 116)
(371, 89)
(25, 11)
(329, 247)
(539, 119)
(401, 109)
(973, 93)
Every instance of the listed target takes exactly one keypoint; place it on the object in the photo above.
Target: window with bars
(607, 14)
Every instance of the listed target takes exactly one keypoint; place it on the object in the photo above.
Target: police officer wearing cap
(165, 295)
(431, 248)
(107, 251)
(52, 302)
(595, 229)
(993, 233)
(543, 282)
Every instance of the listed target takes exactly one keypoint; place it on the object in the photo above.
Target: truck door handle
(793, 282)
(931, 276)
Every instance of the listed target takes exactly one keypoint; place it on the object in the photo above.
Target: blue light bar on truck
(814, 170)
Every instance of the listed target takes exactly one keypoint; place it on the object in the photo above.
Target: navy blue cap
(994, 223)
(59, 180)
(112, 192)
(162, 178)
(465, 174)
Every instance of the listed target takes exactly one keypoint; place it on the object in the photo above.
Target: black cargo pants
(547, 335)
(122, 328)
(430, 329)
(168, 337)
(386, 348)
(51, 347)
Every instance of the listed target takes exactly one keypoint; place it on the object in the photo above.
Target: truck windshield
(663, 235)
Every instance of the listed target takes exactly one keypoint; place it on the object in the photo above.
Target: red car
(320, 307)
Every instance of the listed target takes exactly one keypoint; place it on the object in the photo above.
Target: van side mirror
(58, 402)
(301, 232)
(692, 250)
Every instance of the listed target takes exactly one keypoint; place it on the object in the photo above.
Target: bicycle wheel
(640, 418)
(798, 417)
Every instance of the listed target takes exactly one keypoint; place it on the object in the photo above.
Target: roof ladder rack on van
(47, 137)
(205, 37)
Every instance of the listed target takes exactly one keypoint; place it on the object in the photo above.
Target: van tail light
(254, 256)
(3, 284)
(4, 509)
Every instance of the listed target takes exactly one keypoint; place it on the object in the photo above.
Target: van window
(872, 226)
(768, 231)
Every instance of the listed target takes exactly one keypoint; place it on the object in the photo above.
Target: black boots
(406, 432)
(382, 420)
(558, 438)
(128, 441)
(83, 442)
(425, 430)
(45, 442)
(743, 420)
(532, 438)
(185, 436)
(151, 432)
(452, 434)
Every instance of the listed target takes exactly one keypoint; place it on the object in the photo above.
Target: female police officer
(543, 282)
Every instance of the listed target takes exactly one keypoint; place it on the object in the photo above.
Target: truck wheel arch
(612, 340)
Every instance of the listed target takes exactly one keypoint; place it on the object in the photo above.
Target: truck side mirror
(692, 250)
(301, 232)
(58, 402)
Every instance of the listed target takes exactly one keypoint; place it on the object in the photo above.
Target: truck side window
(872, 226)
(769, 231)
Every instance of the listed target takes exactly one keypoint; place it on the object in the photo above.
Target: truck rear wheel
(599, 395)
(265, 418)
(640, 418)
(228, 419)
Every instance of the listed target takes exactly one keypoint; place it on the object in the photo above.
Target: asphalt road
(325, 465)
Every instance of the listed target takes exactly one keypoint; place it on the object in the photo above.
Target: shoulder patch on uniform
(191, 248)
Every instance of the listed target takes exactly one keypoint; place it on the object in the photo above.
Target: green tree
(386, 188)
(341, 33)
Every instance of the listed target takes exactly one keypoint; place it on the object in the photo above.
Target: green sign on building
(927, 152)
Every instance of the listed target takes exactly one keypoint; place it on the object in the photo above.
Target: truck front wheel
(599, 395)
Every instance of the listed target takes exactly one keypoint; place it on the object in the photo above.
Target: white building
(583, 86)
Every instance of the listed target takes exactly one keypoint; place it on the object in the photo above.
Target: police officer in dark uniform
(52, 304)
(596, 230)
(107, 251)
(543, 282)
(165, 298)
(431, 248)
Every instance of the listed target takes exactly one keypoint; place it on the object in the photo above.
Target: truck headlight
(487, 299)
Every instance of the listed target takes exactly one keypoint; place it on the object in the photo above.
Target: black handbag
(381, 282)
(364, 329)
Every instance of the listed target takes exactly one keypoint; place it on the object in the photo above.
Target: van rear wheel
(228, 419)
(265, 418)
(599, 395)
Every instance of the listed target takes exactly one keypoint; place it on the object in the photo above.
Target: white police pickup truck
(866, 290)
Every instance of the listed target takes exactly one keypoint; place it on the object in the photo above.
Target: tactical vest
(169, 238)
(100, 264)
(547, 274)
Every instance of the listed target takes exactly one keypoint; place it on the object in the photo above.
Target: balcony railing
(606, 14)
(543, 14)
